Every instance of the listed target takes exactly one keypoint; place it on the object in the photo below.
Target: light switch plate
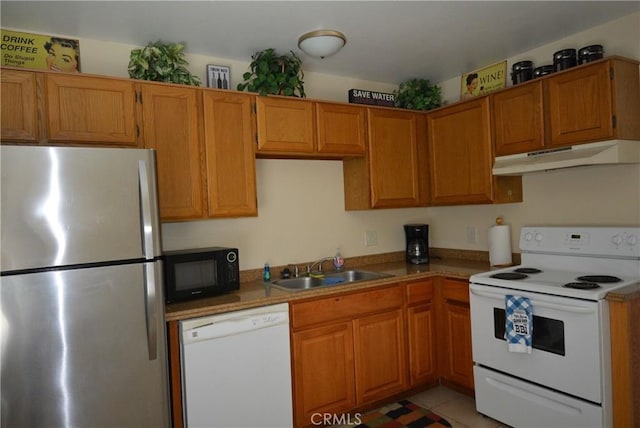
(370, 238)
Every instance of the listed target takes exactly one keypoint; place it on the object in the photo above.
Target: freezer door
(70, 205)
(84, 347)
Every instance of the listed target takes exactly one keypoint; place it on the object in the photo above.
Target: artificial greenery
(161, 62)
(418, 94)
(274, 74)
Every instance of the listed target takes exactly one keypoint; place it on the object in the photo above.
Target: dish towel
(519, 323)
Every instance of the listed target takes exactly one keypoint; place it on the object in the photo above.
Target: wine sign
(218, 77)
(362, 96)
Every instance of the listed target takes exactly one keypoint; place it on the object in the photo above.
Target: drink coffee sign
(39, 51)
(363, 96)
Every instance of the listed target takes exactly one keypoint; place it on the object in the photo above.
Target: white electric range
(566, 273)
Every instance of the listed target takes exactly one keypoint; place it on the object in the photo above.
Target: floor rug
(404, 413)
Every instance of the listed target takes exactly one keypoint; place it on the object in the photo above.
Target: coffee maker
(417, 236)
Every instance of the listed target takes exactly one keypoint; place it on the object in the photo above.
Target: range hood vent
(601, 153)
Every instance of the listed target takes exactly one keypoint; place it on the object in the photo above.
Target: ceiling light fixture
(321, 43)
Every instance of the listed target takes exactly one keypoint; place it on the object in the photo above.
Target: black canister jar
(590, 53)
(521, 72)
(543, 70)
(564, 59)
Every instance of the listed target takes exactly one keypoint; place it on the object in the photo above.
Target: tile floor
(457, 408)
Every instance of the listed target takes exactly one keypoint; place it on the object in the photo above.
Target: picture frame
(483, 81)
(218, 76)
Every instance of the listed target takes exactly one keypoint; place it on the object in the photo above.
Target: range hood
(601, 153)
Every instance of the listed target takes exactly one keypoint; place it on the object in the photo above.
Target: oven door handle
(538, 303)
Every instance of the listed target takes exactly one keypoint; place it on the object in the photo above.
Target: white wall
(300, 203)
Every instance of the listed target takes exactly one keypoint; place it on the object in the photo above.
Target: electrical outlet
(472, 235)
(370, 238)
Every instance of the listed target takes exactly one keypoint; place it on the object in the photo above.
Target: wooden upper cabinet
(594, 102)
(19, 106)
(518, 119)
(90, 110)
(341, 129)
(461, 155)
(171, 125)
(230, 161)
(285, 126)
(394, 172)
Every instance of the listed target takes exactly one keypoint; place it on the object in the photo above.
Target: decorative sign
(40, 52)
(483, 81)
(362, 96)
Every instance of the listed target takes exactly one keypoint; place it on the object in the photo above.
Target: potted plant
(161, 62)
(274, 74)
(418, 94)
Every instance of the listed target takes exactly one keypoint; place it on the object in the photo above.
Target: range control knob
(538, 237)
(528, 236)
(617, 239)
(632, 240)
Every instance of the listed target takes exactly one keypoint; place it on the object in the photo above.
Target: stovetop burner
(605, 279)
(509, 275)
(527, 270)
(582, 285)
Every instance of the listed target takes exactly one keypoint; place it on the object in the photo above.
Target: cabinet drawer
(420, 292)
(455, 290)
(345, 306)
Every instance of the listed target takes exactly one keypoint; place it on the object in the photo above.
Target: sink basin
(329, 279)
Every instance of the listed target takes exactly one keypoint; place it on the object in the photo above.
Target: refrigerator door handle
(151, 278)
(145, 209)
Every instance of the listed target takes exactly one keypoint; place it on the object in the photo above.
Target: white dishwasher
(236, 369)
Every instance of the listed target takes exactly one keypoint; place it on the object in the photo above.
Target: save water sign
(39, 51)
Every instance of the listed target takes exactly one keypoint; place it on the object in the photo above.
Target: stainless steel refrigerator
(82, 321)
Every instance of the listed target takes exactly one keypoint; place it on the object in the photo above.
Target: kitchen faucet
(319, 263)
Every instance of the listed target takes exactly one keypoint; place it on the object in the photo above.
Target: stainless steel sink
(329, 279)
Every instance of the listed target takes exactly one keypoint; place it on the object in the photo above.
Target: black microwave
(199, 273)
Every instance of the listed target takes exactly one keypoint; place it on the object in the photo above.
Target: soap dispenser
(338, 261)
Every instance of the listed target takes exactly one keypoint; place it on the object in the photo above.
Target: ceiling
(388, 41)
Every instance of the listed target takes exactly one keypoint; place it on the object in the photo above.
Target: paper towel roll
(500, 245)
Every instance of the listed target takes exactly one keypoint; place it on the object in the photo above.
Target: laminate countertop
(256, 293)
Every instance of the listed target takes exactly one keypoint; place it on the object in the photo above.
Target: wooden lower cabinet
(324, 379)
(348, 351)
(456, 361)
(421, 333)
(379, 356)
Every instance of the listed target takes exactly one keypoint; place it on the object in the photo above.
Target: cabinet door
(341, 129)
(422, 344)
(285, 126)
(230, 167)
(393, 158)
(421, 332)
(19, 106)
(458, 360)
(461, 153)
(323, 374)
(171, 126)
(91, 110)
(379, 356)
(518, 119)
(579, 105)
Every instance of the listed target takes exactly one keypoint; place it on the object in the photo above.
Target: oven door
(567, 354)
